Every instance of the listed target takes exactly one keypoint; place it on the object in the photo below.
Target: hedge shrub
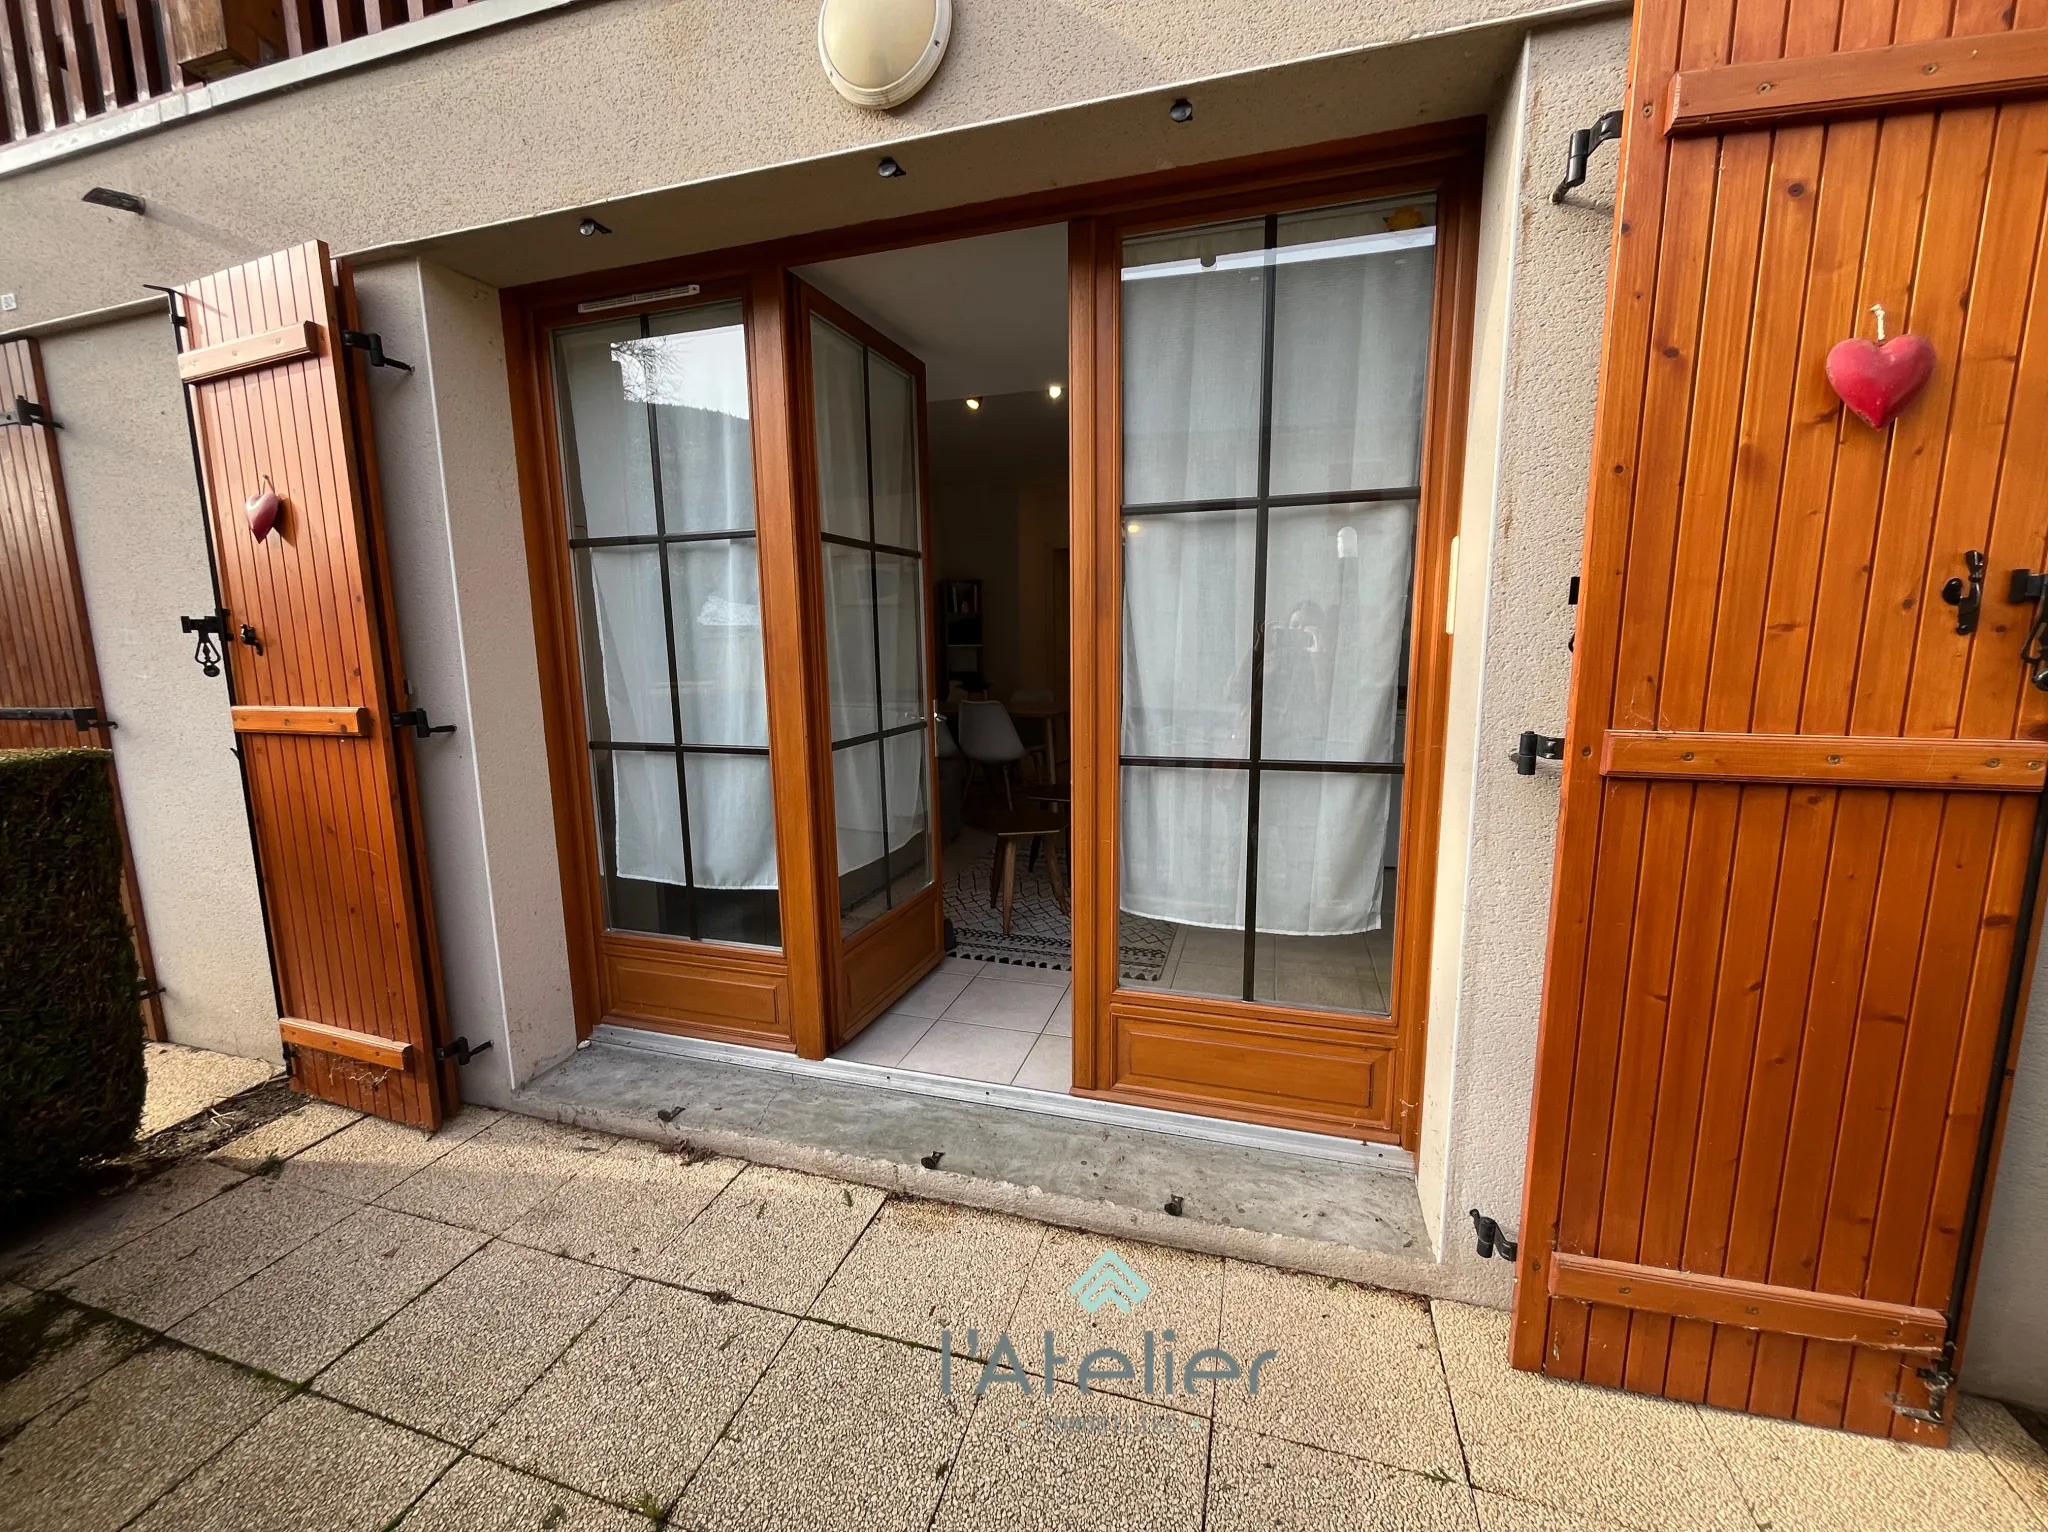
(71, 1075)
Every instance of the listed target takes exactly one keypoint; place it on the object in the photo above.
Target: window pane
(1337, 590)
(857, 812)
(605, 454)
(910, 866)
(692, 368)
(900, 614)
(850, 640)
(1182, 845)
(1193, 322)
(715, 589)
(732, 832)
(640, 841)
(1353, 287)
(892, 445)
(1327, 842)
(625, 661)
(840, 408)
(1188, 634)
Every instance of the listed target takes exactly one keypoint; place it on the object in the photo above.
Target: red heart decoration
(263, 511)
(1878, 379)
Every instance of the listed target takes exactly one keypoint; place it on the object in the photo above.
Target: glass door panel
(1273, 385)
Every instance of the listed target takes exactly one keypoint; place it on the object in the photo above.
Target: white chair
(1049, 770)
(988, 737)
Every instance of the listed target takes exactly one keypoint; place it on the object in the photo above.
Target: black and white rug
(1041, 936)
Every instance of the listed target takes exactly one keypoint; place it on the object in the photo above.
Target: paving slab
(181, 1267)
(1185, 1297)
(1262, 1483)
(282, 1137)
(50, 1348)
(295, 1317)
(2021, 1460)
(371, 1156)
(631, 1408)
(12, 1293)
(495, 1177)
(922, 1268)
(1356, 1369)
(1802, 1477)
(82, 1232)
(1076, 1465)
(1497, 1513)
(308, 1465)
(1591, 1452)
(773, 1237)
(456, 1358)
(477, 1495)
(625, 1205)
(115, 1445)
(845, 1430)
(183, 1082)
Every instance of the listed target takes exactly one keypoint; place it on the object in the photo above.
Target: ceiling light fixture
(1182, 110)
(1053, 390)
(889, 170)
(974, 404)
(119, 201)
(880, 53)
(591, 226)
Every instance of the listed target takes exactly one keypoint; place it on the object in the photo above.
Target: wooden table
(1016, 827)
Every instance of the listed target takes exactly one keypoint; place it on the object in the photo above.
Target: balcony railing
(65, 62)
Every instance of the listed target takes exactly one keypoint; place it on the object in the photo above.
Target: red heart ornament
(1878, 379)
(263, 511)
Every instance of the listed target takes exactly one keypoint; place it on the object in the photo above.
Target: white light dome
(880, 53)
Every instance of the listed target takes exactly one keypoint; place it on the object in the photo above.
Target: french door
(859, 418)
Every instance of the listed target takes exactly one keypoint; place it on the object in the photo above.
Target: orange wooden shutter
(46, 656)
(1794, 901)
(277, 402)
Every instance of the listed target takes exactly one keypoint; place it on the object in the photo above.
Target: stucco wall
(127, 467)
(1517, 556)
(615, 99)
(458, 557)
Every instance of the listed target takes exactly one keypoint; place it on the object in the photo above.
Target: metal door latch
(1535, 747)
(417, 721)
(1967, 596)
(206, 653)
(371, 342)
(459, 1050)
(2028, 586)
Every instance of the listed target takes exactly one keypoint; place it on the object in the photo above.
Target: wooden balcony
(65, 62)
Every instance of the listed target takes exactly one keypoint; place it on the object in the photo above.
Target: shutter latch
(416, 720)
(460, 1050)
(27, 412)
(373, 343)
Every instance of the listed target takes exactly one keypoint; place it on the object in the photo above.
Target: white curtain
(1351, 328)
(692, 369)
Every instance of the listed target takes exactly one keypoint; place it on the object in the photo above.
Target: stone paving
(339, 1323)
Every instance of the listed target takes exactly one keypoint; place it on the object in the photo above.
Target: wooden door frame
(1445, 158)
(917, 925)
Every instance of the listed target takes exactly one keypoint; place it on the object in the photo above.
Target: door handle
(2027, 585)
(1967, 597)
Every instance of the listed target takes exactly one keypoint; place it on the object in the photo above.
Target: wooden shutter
(1793, 904)
(46, 657)
(277, 402)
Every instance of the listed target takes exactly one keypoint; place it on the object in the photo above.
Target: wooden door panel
(1799, 805)
(331, 802)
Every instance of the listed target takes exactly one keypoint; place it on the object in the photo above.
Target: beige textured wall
(626, 97)
(127, 468)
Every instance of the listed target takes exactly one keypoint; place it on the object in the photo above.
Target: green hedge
(70, 1018)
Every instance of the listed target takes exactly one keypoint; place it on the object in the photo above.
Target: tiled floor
(517, 1325)
(995, 1022)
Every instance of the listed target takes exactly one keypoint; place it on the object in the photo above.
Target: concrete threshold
(1286, 1199)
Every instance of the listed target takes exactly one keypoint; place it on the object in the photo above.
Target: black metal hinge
(1939, 1381)
(373, 343)
(459, 1050)
(1493, 1239)
(27, 412)
(1535, 747)
(1584, 142)
(416, 720)
(80, 718)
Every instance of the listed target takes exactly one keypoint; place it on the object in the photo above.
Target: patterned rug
(1040, 936)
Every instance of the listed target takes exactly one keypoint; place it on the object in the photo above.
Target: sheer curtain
(1269, 363)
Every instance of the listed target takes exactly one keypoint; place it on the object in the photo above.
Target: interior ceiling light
(880, 53)
(1053, 390)
(974, 404)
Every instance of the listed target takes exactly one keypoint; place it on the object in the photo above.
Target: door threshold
(1020, 1098)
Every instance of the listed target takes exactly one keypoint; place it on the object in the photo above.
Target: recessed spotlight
(974, 404)
(889, 170)
(1182, 110)
(1053, 390)
(591, 226)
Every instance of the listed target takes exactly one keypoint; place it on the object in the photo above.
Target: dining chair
(988, 737)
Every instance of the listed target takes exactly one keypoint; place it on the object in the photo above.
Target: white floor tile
(970, 1053)
(886, 1039)
(937, 990)
(989, 1002)
(1049, 1065)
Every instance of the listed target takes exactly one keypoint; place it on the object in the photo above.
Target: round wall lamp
(880, 53)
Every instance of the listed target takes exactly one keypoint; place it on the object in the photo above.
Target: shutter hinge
(416, 720)
(373, 343)
(459, 1050)
(1493, 1239)
(27, 412)
(1584, 141)
(1535, 747)
(1939, 1381)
